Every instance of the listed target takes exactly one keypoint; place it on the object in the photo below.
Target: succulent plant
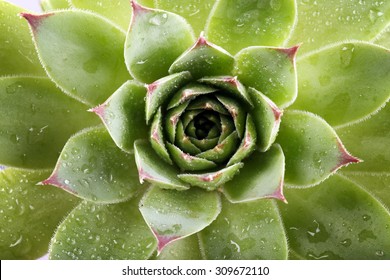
(181, 129)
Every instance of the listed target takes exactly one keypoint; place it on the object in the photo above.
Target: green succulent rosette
(180, 129)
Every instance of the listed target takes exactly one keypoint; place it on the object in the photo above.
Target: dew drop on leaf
(346, 54)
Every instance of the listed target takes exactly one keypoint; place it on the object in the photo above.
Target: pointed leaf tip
(98, 110)
(278, 194)
(290, 52)
(345, 157)
(163, 241)
(54, 181)
(35, 20)
(137, 7)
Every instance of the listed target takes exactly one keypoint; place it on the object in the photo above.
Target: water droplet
(366, 217)
(12, 88)
(66, 182)
(380, 253)
(75, 151)
(317, 233)
(159, 19)
(374, 15)
(275, 5)
(346, 242)
(91, 65)
(365, 234)
(15, 138)
(346, 54)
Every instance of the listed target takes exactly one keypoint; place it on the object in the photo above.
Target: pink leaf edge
(35, 20)
(163, 240)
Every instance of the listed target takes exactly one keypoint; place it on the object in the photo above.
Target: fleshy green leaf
(243, 231)
(92, 167)
(248, 142)
(17, 54)
(189, 92)
(266, 117)
(231, 85)
(29, 213)
(204, 59)
(36, 120)
(324, 22)
(155, 39)
(236, 111)
(118, 11)
(223, 151)
(336, 220)
(172, 118)
(182, 249)
(345, 82)
(123, 113)
(370, 141)
(97, 231)
(187, 162)
(184, 142)
(153, 169)
(211, 181)
(86, 62)
(195, 12)
(161, 90)
(157, 137)
(173, 215)
(269, 70)
(235, 24)
(51, 5)
(312, 149)
(262, 177)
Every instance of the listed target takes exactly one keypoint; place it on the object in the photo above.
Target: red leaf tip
(345, 157)
(35, 20)
(98, 110)
(290, 52)
(137, 8)
(278, 194)
(201, 41)
(163, 241)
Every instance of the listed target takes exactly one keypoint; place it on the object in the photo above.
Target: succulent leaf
(266, 118)
(29, 213)
(92, 167)
(194, 11)
(345, 82)
(251, 230)
(32, 114)
(151, 169)
(17, 54)
(183, 249)
(359, 20)
(154, 40)
(235, 24)
(87, 63)
(370, 141)
(109, 232)
(157, 137)
(312, 148)
(213, 180)
(271, 71)
(383, 37)
(189, 92)
(336, 220)
(262, 177)
(51, 5)
(161, 90)
(173, 215)
(123, 112)
(204, 59)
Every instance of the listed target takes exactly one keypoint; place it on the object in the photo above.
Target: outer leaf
(96, 231)
(36, 120)
(383, 38)
(266, 117)
(269, 70)
(123, 113)
(29, 214)
(312, 148)
(174, 215)
(151, 168)
(118, 11)
(242, 231)
(194, 11)
(336, 220)
(212, 180)
(17, 54)
(182, 249)
(235, 24)
(50, 5)
(204, 59)
(262, 177)
(345, 82)
(92, 167)
(370, 141)
(324, 22)
(155, 39)
(86, 62)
